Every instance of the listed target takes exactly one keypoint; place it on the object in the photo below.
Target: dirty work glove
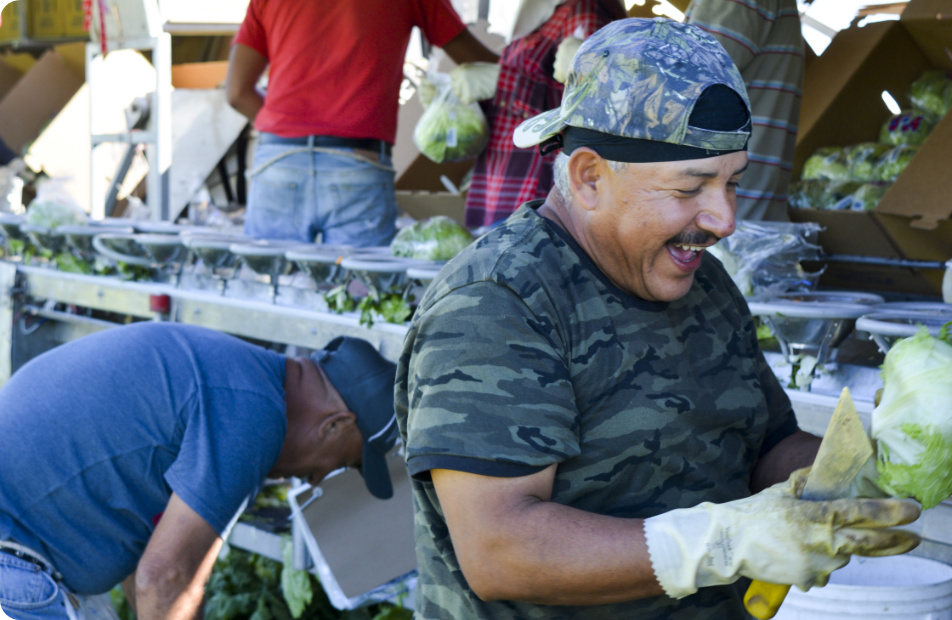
(563, 58)
(774, 537)
(475, 81)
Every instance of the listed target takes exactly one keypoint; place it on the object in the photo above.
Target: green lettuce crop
(913, 423)
(52, 214)
(438, 238)
(931, 92)
(910, 128)
(868, 196)
(451, 131)
(827, 163)
(894, 162)
(862, 160)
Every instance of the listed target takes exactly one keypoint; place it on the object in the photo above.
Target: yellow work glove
(563, 58)
(773, 536)
(474, 81)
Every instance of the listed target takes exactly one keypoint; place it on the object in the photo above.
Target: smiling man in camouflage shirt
(583, 401)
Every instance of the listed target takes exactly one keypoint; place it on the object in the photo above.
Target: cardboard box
(421, 205)
(8, 78)
(36, 99)
(47, 19)
(199, 74)
(842, 105)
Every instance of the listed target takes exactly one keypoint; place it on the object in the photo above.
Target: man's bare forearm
(248, 104)
(792, 453)
(172, 594)
(539, 551)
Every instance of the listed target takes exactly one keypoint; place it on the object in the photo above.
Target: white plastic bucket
(899, 587)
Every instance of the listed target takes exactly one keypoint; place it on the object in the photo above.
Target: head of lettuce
(913, 422)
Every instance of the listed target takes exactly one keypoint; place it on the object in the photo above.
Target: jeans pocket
(24, 587)
(275, 208)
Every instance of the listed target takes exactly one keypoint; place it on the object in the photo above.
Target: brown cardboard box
(421, 205)
(199, 74)
(842, 105)
(36, 99)
(10, 28)
(8, 78)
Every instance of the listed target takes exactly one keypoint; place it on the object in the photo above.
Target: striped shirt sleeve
(741, 26)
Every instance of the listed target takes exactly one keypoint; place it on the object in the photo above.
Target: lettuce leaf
(913, 423)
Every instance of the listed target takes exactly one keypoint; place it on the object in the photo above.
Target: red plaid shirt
(505, 176)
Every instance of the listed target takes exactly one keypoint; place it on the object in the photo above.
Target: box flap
(921, 191)
(930, 24)
(36, 99)
(8, 77)
(848, 232)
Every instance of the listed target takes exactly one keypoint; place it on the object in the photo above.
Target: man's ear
(335, 424)
(584, 174)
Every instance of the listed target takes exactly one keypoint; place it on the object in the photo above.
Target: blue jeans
(29, 593)
(297, 192)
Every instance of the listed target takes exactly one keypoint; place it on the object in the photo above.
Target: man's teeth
(692, 248)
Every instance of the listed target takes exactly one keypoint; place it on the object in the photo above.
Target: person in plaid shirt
(505, 176)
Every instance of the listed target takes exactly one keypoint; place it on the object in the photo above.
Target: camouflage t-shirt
(523, 354)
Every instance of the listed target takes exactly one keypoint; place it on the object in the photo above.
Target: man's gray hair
(560, 173)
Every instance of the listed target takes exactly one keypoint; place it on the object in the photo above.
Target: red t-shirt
(336, 67)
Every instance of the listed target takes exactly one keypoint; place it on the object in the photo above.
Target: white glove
(563, 58)
(475, 81)
(774, 537)
(425, 91)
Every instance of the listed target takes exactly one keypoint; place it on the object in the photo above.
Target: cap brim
(376, 473)
(539, 128)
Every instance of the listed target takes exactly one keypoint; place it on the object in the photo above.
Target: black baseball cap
(365, 379)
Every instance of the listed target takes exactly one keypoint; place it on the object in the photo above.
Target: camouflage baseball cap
(640, 78)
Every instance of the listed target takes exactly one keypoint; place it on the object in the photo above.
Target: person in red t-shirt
(330, 114)
(543, 37)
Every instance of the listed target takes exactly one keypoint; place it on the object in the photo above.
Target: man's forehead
(731, 164)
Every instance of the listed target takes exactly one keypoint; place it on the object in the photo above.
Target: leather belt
(367, 144)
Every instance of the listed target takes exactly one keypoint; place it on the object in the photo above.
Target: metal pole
(160, 153)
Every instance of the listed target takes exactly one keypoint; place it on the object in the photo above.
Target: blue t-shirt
(98, 433)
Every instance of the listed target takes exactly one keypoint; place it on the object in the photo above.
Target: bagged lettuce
(932, 93)
(438, 238)
(827, 163)
(868, 196)
(450, 130)
(913, 423)
(862, 159)
(894, 162)
(822, 195)
(910, 128)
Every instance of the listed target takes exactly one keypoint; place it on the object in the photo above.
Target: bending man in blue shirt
(127, 453)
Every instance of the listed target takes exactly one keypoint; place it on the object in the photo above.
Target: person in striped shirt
(764, 40)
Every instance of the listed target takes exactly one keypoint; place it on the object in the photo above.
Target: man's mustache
(694, 237)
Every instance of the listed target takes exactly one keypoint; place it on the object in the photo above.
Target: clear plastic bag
(438, 239)
(862, 160)
(822, 195)
(54, 206)
(827, 163)
(450, 130)
(932, 92)
(894, 162)
(764, 257)
(910, 128)
(868, 196)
